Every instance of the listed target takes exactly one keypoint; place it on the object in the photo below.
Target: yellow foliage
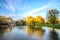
(29, 20)
(38, 19)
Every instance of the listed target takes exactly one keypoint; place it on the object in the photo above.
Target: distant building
(59, 21)
(5, 19)
(9, 20)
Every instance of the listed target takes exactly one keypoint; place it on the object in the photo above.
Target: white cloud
(37, 10)
(12, 8)
(32, 12)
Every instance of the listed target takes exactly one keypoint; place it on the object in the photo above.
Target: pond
(26, 33)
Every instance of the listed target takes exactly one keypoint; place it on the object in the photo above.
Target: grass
(55, 26)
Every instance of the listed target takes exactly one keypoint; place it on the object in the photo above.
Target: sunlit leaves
(36, 22)
(30, 20)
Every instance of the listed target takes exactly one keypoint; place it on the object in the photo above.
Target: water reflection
(54, 35)
(2, 32)
(9, 29)
(37, 32)
(27, 33)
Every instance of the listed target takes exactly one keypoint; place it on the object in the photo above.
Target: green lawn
(55, 26)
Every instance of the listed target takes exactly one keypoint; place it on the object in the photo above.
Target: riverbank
(55, 26)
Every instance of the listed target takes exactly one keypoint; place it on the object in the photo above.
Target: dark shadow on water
(53, 35)
(2, 30)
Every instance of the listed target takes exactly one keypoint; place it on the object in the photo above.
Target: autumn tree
(39, 21)
(52, 16)
(30, 21)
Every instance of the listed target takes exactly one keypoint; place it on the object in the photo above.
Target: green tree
(52, 16)
(21, 22)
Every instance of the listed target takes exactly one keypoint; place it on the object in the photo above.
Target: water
(26, 33)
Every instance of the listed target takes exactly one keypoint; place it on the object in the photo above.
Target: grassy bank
(55, 26)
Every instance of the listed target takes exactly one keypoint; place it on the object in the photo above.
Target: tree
(52, 16)
(35, 22)
(20, 22)
(39, 21)
(30, 21)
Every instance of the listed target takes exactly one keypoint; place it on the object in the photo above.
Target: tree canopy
(53, 16)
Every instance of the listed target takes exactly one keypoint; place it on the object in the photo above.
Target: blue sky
(18, 9)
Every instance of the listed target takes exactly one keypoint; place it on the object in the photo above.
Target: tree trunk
(0, 25)
(53, 27)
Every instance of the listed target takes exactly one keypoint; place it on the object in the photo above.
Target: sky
(18, 9)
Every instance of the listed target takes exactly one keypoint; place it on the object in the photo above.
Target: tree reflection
(53, 36)
(32, 31)
(39, 32)
(8, 29)
(2, 31)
